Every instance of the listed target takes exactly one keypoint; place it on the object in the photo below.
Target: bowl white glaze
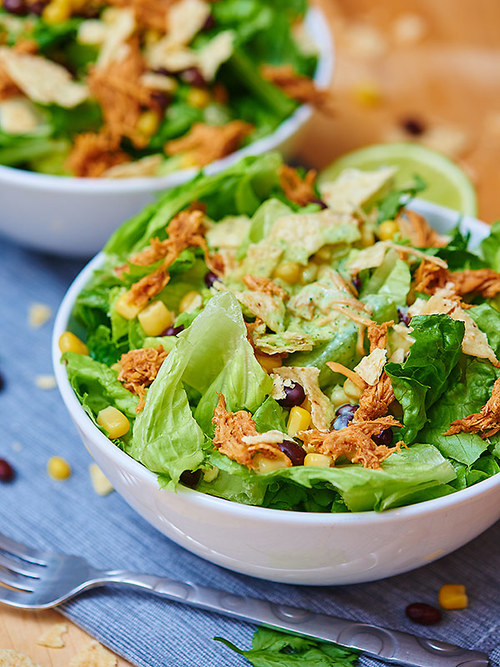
(284, 546)
(75, 216)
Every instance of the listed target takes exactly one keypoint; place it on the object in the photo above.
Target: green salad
(274, 342)
(131, 88)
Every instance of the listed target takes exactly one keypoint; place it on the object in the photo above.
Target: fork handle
(392, 646)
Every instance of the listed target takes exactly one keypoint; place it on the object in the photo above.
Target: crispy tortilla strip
(237, 437)
(121, 94)
(377, 334)
(297, 189)
(94, 154)
(354, 442)
(375, 400)
(185, 230)
(415, 227)
(486, 422)
(146, 288)
(138, 370)
(266, 286)
(206, 143)
(298, 87)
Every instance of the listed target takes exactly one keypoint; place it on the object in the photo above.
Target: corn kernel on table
(405, 71)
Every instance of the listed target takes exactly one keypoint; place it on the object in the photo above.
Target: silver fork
(38, 579)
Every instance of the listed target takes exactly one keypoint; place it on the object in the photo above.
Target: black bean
(15, 7)
(210, 278)
(37, 7)
(413, 126)
(7, 473)
(294, 395)
(422, 613)
(383, 438)
(295, 452)
(347, 408)
(172, 331)
(320, 203)
(209, 23)
(2, 382)
(404, 317)
(160, 99)
(343, 420)
(356, 283)
(191, 479)
(193, 76)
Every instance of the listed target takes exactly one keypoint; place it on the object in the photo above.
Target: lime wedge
(447, 184)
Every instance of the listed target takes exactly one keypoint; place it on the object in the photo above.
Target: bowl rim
(204, 500)
(316, 25)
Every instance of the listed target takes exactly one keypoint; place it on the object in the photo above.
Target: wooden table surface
(436, 63)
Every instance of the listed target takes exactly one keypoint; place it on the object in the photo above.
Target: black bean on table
(423, 613)
(7, 472)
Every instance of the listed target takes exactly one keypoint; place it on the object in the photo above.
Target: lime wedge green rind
(447, 184)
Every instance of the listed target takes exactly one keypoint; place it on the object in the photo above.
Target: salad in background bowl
(318, 357)
(137, 91)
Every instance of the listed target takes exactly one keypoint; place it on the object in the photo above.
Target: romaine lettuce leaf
(423, 377)
(487, 319)
(490, 247)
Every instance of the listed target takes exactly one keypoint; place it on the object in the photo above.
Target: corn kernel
(114, 421)
(367, 236)
(318, 460)
(309, 273)
(102, 485)
(148, 123)
(210, 474)
(262, 464)
(298, 420)
(323, 256)
(367, 94)
(289, 272)
(387, 230)
(453, 596)
(190, 301)
(125, 307)
(338, 396)
(57, 11)
(352, 390)
(198, 98)
(58, 468)
(68, 342)
(269, 362)
(155, 318)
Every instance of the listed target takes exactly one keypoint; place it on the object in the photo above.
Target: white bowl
(75, 216)
(290, 547)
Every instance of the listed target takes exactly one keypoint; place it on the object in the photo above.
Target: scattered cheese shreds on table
(11, 658)
(101, 484)
(45, 382)
(93, 655)
(53, 636)
(38, 314)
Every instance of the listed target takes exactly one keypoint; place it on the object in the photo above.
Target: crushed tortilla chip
(230, 430)
(93, 655)
(266, 286)
(138, 370)
(53, 636)
(298, 87)
(11, 658)
(371, 366)
(297, 189)
(375, 400)
(486, 422)
(353, 442)
(415, 227)
(377, 334)
(322, 412)
(206, 143)
(42, 80)
(94, 153)
(121, 95)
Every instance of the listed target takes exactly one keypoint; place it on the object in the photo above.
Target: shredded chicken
(93, 154)
(486, 422)
(353, 442)
(297, 189)
(138, 370)
(375, 400)
(231, 431)
(298, 87)
(148, 287)
(377, 334)
(429, 278)
(206, 143)
(148, 13)
(185, 230)
(415, 227)
(121, 95)
(266, 286)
